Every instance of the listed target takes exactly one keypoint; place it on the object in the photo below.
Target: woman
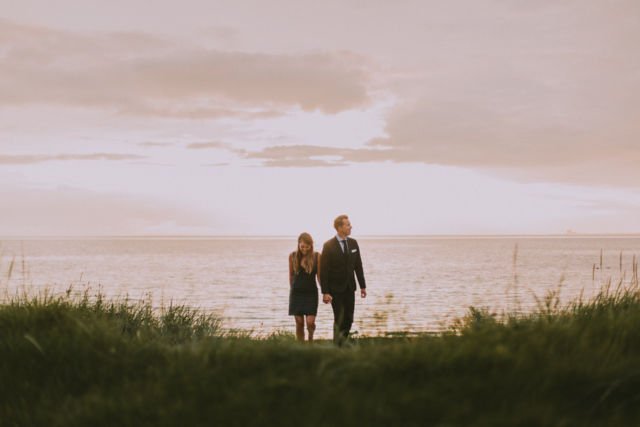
(303, 295)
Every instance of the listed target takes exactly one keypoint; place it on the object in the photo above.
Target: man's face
(345, 228)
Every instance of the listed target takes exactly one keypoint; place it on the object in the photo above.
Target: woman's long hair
(306, 262)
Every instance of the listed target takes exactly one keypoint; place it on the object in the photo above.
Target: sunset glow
(271, 118)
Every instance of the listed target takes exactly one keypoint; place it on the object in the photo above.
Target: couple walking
(336, 269)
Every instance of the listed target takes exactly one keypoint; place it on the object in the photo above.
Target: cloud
(207, 145)
(137, 73)
(155, 144)
(216, 165)
(169, 110)
(300, 163)
(551, 95)
(222, 33)
(30, 159)
(545, 92)
(592, 137)
(37, 46)
(315, 156)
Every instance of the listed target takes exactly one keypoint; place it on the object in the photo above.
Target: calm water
(415, 284)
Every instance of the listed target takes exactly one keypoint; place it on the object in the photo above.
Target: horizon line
(287, 236)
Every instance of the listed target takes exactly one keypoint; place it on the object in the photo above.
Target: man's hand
(363, 293)
(326, 298)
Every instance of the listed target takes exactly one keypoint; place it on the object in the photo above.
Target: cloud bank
(41, 158)
(141, 74)
(546, 92)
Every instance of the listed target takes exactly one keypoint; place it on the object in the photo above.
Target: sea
(415, 284)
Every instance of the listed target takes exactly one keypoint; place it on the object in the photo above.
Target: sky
(271, 118)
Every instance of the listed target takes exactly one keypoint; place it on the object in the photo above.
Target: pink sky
(270, 118)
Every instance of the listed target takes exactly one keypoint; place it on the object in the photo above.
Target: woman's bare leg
(300, 328)
(311, 326)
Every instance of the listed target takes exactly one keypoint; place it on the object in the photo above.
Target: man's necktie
(344, 246)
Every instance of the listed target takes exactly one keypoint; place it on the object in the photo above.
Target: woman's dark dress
(303, 297)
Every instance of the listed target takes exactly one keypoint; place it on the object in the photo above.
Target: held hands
(326, 298)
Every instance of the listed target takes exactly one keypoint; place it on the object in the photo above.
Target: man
(339, 261)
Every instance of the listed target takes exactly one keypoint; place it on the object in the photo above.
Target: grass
(78, 361)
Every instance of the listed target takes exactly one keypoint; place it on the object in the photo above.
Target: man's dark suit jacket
(337, 268)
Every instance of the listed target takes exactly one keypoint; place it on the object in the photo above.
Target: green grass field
(86, 361)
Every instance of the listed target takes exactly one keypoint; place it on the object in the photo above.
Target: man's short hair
(337, 223)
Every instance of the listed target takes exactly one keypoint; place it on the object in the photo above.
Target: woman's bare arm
(290, 270)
